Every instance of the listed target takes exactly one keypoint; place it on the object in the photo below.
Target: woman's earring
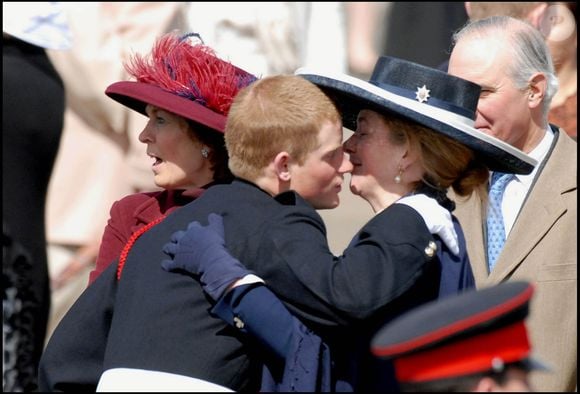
(399, 176)
(205, 152)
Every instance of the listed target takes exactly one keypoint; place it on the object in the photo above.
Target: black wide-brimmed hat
(424, 95)
(475, 331)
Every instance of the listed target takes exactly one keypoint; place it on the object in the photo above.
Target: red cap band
(470, 355)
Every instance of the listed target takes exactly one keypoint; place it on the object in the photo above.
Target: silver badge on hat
(497, 364)
(422, 94)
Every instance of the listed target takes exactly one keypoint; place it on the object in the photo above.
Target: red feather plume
(190, 71)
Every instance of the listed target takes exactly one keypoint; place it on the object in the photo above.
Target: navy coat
(157, 320)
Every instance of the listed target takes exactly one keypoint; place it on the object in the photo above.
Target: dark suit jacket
(156, 320)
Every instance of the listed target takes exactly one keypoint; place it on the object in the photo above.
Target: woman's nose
(145, 135)
(346, 166)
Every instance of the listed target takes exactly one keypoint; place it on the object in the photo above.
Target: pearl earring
(205, 152)
(399, 176)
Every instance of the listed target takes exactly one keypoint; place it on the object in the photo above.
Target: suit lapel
(536, 218)
(540, 211)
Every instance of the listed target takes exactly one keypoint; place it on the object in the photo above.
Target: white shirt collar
(540, 152)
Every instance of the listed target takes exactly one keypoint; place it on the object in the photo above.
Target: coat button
(431, 249)
(238, 322)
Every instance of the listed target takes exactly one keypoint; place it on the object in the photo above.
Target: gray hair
(530, 52)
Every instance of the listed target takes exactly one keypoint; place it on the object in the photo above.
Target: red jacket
(132, 213)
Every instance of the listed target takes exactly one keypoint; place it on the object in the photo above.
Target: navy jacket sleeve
(303, 359)
(456, 274)
(255, 310)
(73, 358)
(384, 260)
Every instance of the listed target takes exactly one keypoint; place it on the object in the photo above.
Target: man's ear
(537, 14)
(282, 166)
(537, 87)
(467, 5)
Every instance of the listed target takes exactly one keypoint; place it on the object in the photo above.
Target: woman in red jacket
(186, 91)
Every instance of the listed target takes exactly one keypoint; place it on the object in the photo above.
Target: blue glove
(201, 250)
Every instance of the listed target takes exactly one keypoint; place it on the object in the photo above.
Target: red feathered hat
(186, 79)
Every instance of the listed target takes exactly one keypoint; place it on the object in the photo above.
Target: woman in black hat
(414, 140)
(177, 87)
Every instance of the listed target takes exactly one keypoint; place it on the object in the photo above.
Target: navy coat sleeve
(301, 360)
(255, 310)
(456, 274)
(74, 355)
(383, 261)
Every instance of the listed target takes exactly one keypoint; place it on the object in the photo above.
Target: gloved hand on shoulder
(437, 218)
(201, 250)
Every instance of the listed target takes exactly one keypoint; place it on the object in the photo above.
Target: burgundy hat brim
(136, 95)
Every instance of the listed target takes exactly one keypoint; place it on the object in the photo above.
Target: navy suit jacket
(157, 320)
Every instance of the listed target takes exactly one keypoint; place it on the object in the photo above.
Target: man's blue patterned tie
(495, 224)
